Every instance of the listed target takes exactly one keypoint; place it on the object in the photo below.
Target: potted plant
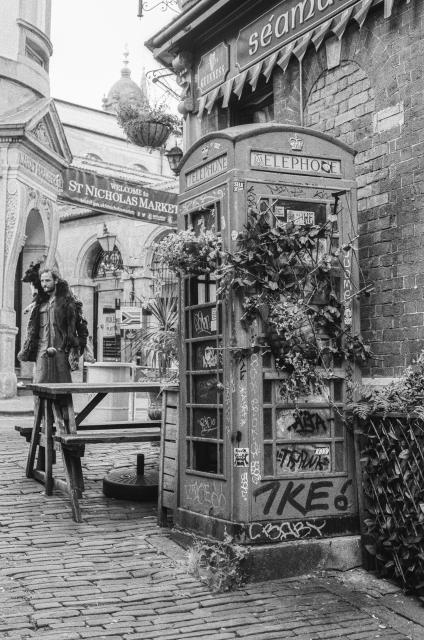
(147, 125)
(159, 342)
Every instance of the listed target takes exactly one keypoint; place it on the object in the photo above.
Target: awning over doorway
(297, 47)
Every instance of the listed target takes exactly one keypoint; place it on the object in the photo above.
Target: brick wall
(372, 100)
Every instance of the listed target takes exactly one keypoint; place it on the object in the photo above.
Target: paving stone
(117, 576)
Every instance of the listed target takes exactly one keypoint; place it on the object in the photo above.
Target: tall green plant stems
(288, 279)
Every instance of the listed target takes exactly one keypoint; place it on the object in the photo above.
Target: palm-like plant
(159, 341)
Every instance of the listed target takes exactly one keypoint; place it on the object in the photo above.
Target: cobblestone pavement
(117, 576)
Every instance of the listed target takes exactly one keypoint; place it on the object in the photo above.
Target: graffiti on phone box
(203, 493)
(309, 457)
(319, 496)
(306, 422)
(204, 322)
(282, 531)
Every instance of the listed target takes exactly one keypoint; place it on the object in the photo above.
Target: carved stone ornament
(46, 205)
(42, 134)
(11, 218)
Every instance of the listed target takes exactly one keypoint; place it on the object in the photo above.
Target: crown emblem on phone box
(296, 143)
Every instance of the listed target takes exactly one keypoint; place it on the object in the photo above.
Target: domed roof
(124, 90)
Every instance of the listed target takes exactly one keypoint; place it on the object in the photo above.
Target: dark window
(254, 106)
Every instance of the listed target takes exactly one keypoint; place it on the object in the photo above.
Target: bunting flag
(285, 55)
(320, 33)
(281, 57)
(254, 75)
(269, 65)
(212, 96)
(239, 84)
(361, 11)
(340, 22)
(226, 92)
(301, 46)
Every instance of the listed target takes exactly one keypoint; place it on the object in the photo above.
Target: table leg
(65, 420)
(70, 466)
(35, 438)
(49, 447)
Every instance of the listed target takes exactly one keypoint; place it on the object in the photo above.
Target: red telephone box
(247, 465)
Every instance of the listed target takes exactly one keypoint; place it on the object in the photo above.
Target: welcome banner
(119, 196)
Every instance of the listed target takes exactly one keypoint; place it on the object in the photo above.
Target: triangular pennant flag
(388, 6)
(254, 74)
(269, 65)
(202, 103)
(212, 96)
(361, 11)
(239, 82)
(301, 46)
(285, 55)
(340, 22)
(320, 33)
(226, 91)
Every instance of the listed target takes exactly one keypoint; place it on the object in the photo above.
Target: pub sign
(213, 68)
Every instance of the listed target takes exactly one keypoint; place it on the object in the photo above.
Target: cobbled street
(118, 576)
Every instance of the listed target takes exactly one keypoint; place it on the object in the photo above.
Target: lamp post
(174, 156)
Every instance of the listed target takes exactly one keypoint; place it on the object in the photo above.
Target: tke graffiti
(315, 498)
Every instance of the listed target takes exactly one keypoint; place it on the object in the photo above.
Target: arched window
(140, 167)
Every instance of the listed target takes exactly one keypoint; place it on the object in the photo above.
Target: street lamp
(174, 156)
(110, 257)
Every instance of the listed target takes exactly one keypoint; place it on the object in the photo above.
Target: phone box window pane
(267, 391)
(339, 427)
(205, 391)
(303, 457)
(268, 462)
(206, 356)
(205, 423)
(268, 424)
(205, 457)
(221, 459)
(338, 390)
(267, 360)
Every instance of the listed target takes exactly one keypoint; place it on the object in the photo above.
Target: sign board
(207, 171)
(241, 457)
(131, 317)
(213, 68)
(119, 196)
(109, 325)
(281, 24)
(294, 163)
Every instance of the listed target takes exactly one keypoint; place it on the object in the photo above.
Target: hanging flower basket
(146, 125)
(147, 133)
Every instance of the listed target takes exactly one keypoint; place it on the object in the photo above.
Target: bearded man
(57, 331)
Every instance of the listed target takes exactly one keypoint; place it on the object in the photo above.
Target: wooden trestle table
(57, 428)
